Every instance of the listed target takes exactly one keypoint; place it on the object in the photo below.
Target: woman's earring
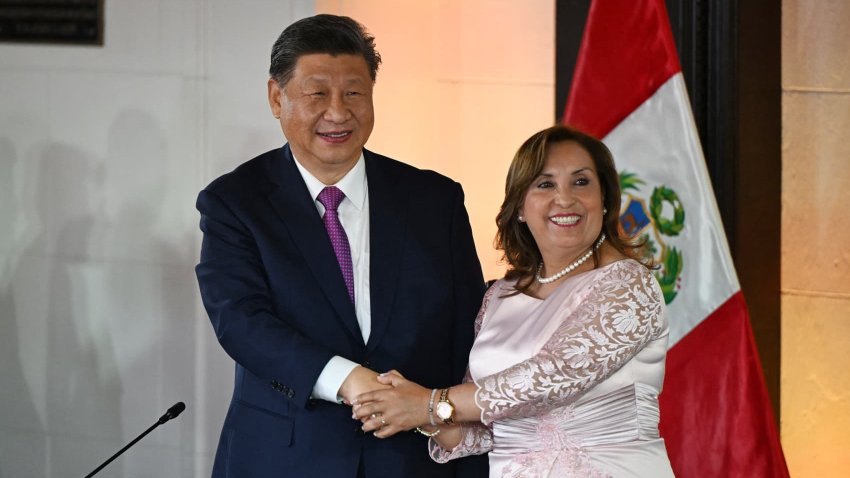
(604, 211)
(520, 218)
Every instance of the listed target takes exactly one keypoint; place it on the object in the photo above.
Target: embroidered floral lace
(622, 312)
(620, 315)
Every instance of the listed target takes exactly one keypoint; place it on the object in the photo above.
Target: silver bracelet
(431, 408)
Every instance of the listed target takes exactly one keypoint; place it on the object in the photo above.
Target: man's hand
(387, 412)
(360, 381)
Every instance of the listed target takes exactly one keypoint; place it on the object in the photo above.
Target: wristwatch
(445, 409)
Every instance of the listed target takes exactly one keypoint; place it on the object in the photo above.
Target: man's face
(326, 112)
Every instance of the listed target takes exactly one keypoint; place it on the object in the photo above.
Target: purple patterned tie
(330, 197)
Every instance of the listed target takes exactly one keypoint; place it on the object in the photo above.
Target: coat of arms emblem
(664, 217)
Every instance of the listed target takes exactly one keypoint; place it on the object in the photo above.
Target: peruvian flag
(628, 89)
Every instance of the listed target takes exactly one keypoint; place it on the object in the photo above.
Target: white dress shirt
(353, 213)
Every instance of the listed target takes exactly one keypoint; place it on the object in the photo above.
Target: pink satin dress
(568, 386)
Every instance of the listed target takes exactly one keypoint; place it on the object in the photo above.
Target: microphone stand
(171, 413)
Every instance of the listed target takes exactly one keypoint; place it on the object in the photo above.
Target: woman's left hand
(387, 412)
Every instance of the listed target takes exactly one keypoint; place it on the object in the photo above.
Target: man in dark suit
(323, 262)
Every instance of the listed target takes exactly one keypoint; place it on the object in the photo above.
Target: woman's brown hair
(515, 239)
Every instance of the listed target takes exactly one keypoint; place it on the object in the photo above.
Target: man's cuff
(332, 377)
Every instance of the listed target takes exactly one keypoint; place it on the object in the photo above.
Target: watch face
(444, 410)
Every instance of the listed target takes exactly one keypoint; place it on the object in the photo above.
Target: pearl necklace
(569, 268)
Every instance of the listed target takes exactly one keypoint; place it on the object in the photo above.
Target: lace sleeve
(622, 313)
(477, 439)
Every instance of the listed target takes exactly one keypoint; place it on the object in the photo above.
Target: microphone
(171, 413)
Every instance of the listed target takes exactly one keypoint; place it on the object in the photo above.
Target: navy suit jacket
(274, 292)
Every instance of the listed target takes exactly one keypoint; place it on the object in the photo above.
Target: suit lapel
(386, 231)
(291, 200)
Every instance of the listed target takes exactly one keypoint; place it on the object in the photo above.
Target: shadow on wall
(152, 291)
(97, 307)
(22, 431)
(63, 382)
(82, 380)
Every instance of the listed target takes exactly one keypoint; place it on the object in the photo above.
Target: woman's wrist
(463, 401)
(449, 437)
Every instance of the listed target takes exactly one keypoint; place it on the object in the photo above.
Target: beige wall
(463, 83)
(815, 415)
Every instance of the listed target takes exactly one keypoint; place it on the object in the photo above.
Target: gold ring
(383, 422)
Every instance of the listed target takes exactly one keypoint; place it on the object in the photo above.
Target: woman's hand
(387, 412)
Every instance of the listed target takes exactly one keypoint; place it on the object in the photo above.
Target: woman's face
(563, 205)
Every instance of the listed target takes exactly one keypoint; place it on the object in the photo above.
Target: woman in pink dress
(568, 360)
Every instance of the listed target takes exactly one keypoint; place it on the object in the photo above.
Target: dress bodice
(564, 379)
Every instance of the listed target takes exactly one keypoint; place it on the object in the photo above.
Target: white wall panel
(102, 153)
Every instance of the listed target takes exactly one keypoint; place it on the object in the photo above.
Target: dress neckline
(570, 279)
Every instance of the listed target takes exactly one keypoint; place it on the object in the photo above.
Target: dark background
(73, 22)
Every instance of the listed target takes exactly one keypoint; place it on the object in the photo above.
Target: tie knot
(330, 197)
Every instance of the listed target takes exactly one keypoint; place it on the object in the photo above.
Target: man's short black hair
(330, 34)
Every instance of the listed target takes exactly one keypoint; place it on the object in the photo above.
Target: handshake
(388, 403)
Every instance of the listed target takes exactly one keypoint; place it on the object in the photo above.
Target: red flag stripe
(714, 384)
(635, 58)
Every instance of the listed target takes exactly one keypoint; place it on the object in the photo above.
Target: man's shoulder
(253, 172)
(405, 172)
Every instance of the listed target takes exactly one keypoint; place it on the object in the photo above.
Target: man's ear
(275, 91)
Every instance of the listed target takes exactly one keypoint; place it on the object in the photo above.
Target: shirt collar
(353, 184)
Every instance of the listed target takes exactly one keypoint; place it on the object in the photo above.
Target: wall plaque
(77, 22)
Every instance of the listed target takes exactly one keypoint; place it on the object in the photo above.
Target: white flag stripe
(659, 143)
